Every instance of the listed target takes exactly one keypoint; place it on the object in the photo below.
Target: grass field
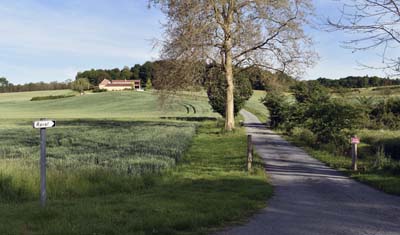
(255, 106)
(376, 92)
(120, 164)
(86, 157)
(107, 105)
(98, 136)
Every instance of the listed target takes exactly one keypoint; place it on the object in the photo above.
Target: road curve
(311, 198)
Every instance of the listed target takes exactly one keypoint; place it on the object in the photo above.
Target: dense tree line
(6, 86)
(137, 72)
(357, 82)
(155, 73)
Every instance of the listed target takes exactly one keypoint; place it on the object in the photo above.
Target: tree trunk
(229, 106)
(229, 109)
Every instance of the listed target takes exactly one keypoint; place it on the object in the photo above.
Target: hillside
(137, 105)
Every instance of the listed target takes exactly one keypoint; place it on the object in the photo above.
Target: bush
(332, 120)
(216, 91)
(390, 146)
(277, 107)
(305, 136)
(50, 97)
(97, 90)
(305, 92)
(81, 85)
(386, 114)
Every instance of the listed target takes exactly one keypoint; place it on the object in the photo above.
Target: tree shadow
(191, 119)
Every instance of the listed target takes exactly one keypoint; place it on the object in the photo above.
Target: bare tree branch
(237, 33)
(375, 24)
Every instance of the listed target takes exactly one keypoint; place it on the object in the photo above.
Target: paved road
(311, 198)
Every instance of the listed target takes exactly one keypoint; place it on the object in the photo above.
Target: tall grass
(87, 157)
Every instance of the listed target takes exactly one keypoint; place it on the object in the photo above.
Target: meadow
(98, 136)
(120, 163)
(376, 92)
(255, 106)
(107, 105)
(86, 157)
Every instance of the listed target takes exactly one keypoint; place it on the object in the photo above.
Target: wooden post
(249, 152)
(43, 166)
(354, 155)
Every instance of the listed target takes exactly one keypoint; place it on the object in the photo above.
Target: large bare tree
(236, 33)
(375, 24)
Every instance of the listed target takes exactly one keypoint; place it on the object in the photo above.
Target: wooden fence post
(249, 152)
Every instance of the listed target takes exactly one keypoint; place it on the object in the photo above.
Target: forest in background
(149, 73)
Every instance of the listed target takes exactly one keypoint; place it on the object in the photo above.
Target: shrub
(386, 113)
(81, 85)
(50, 97)
(277, 107)
(305, 136)
(149, 85)
(97, 89)
(332, 120)
(309, 92)
(216, 91)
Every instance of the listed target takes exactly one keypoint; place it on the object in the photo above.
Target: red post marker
(355, 140)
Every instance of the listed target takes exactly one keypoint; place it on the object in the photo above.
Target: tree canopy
(137, 72)
(235, 33)
(3, 82)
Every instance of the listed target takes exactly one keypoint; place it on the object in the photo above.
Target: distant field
(109, 105)
(255, 106)
(377, 92)
(26, 96)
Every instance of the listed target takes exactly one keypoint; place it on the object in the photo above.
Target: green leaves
(216, 91)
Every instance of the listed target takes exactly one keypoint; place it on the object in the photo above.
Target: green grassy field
(88, 157)
(376, 92)
(118, 163)
(255, 106)
(97, 135)
(107, 105)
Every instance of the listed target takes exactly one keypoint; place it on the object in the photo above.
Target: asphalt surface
(311, 198)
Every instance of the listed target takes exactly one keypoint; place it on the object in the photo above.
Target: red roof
(124, 81)
(127, 85)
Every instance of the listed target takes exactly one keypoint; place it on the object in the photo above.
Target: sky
(51, 40)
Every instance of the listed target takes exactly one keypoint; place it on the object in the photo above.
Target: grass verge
(378, 177)
(208, 189)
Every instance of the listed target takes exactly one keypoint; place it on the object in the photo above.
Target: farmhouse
(118, 85)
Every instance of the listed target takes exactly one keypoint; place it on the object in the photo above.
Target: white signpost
(354, 141)
(42, 125)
